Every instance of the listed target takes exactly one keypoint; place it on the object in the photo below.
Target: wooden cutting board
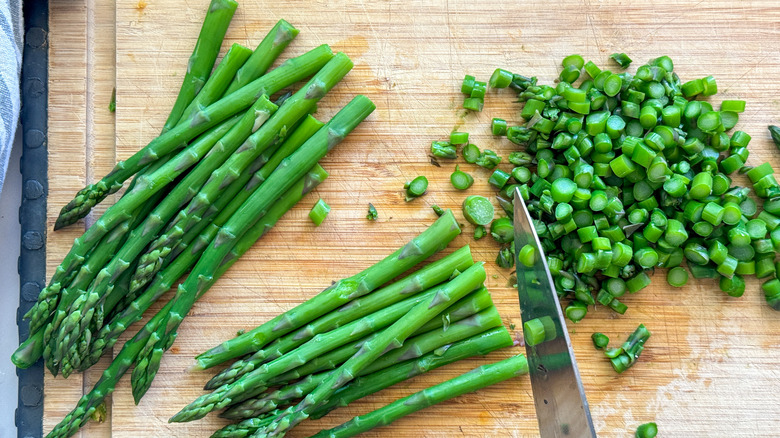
(711, 367)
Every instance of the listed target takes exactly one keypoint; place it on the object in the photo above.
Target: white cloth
(11, 31)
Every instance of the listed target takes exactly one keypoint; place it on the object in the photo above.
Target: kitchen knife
(561, 406)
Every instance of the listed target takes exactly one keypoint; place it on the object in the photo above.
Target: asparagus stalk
(203, 56)
(215, 25)
(194, 247)
(267, 51)
(419, 314)
(75, 312)
(48, 298)
(127, 356)
(41, 312)
(245, 386)
(420, 344)
(217, 83)
(479, 321)
(292, 168)
(390, 338)
(474, 380)
(425, 278)
(290, 72)
(293, 109)
(478, 345)
(150, 262)
(481, 344)
(272, 157)
(435, 238)
(28, 351)
(149, 361)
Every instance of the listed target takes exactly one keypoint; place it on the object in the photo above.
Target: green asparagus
(392, 337)
(152, 261)
(474, 380)
(290, 72)
(425, 278)
(434, 239)
(625, 356)
(127, 356)
(225, 395)
(264, 55)
(49, 296)
(217, 83)
(293, 109)
(212, 32)
(472, 326)
(292, 168)
(75, 311)
(466, 318)
(433, 338)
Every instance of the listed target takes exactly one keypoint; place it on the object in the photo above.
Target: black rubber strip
(32, 212)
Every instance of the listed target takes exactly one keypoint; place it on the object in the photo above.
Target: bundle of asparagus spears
(227, 165)
(354, 339)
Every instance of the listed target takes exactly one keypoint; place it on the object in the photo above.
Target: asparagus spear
(123, 295)
(481, 344)
(75, 311)
(215, 25)
(395, 334)
(293, 109)
(325, 342)
(127, 356)
(189, 255)
(267, 51)
(273, 157)
(390, 338)
(425, 278)
(290, 72)
(149, 360)
(48, 298)
(435, 238)
(437, 337)
(203, 56)
(474, 380)
(40, 312)
(218, 82)
(151, 262)
(292, 168)
(479, 321)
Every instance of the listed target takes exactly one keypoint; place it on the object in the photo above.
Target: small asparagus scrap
(600, 340)
(372, 213)
(621, 59)
(319, 212)
(624, 357)
(647, 430)
(112, 103)
(416, 187)
(774, 131)
(474, 380)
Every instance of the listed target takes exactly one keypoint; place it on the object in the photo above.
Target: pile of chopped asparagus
(625, 173)
(356, 338)
(230, 161)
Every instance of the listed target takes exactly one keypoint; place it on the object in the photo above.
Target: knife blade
(561, 407)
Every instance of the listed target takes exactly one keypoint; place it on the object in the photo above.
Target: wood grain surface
(712, 366)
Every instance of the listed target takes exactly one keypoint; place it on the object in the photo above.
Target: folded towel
(11, 30)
